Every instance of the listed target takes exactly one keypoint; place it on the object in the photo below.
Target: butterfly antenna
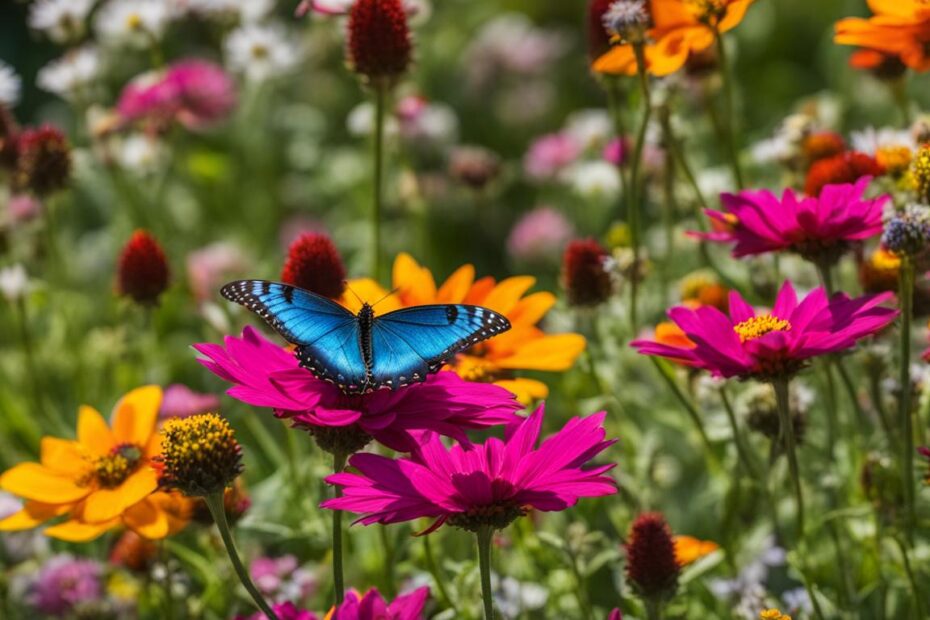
(360, 300)
(394, 290)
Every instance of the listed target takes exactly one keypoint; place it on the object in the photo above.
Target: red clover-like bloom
(379, 44)
(473, 486)
(650, 557)
(267, 375)
(585, 274)
(314, 263)
(776, 344)
(820, 229)
(43, 160)
(142, 270)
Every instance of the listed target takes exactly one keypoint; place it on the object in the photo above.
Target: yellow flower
(524, 347)
(689, 549)
(100, 481)
(773, 614)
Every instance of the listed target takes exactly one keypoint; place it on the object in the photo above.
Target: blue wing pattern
(408, 344)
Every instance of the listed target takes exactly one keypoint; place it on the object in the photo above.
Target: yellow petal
(480, 290)
(61, 455)
(33, 481)
(414, 283)
(78, 531)
(93, 433)
(371, 292)
(106, 504)
(527, 391)
(135, 415)
(455, 288)
(507, 293)
(32, 514)
(689, 549)
(531, 309)
(147, 520)
(556, 352)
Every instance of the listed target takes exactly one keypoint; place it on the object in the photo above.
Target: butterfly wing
(326, 334)
(410, 343)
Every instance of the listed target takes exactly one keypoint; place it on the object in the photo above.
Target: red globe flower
(379, 44)
(584, 272)
(142, 272)
(650, 557)
(43, 160)
(313, 263)
(846, 167)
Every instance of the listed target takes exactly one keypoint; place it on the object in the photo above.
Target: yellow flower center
(111, 470)
(134, 21)
(472, 368)
(710, 12)
(758, 326)
(895, 159)
(200, 455)
(773, 614)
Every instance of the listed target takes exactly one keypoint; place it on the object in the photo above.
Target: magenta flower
(371, 606)
(194, 93)
(284, 611)
(267, 375)
(549, 155)
(476, 486)
(772, 345)
(820, 229)
(64, 583)
(179, 401)
(540, 234)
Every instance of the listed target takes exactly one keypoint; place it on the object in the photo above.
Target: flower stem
(741, 450)
(653, 609)
(635, 171)
(484, 535)
(898, 89)
(729, 109)
(214, 503)
(787, 432)
(339, 464)
(689, 407)
(433, 569)
(378, 180)
(906, 300)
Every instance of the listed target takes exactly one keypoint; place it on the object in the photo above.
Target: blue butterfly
(364, 352)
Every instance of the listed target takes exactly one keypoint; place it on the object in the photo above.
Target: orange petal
(455, 288)
(61, 455)
(507, 293)
(147, 520)
(93, 433)
(531, 309)
(689, 549)
(414, 284)
(479, 290)
(527, 391)
(136, 414)
(33, 481)
(78, 531)
(371, 292)
(106, 504)
(32, 515)
(618, 60)
(552, 352)
(736, 11)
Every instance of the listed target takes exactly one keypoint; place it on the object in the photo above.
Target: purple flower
(372, 606)
(471, 486)
(179, 401)
(282, 579)
(213, 265)
(540, 234)
(194, 93)
(284, 611)
(549, 155)
(617, 151)
(64, 583)
(266, 375)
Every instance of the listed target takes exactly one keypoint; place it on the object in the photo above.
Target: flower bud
(142, 269)
(199, 455)
(651, 564)
(43, 161)
(627, 20)
(907, 233)
(379, 44)
(585, 273)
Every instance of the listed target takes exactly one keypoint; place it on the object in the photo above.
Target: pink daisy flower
(818, 228)
(480, 486)
(776, 344)
(267, 375)
(370, 606)
(549, 155)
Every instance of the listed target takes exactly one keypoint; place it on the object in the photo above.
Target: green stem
(917, 592)
(339, 464)
(741, 450)
(214, 503)
(906, 297)
(581, 594)
(653, 609)
(899, 92)
(729, 109)
(484, 535)
(433, 569)
(378, 190)
(787, 432)
(636, 169)
(688, 406)
(613, 105)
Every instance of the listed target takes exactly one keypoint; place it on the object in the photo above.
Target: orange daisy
(680, 28)
(689, 549)
(897, 27)
(102, 480)
(498, 360)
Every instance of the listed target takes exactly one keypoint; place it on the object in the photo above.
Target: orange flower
(680, 28)
(898, 27)
(100, 481)
(524, 347)
(689, 549)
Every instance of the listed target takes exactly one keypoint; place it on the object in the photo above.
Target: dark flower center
(111, 470)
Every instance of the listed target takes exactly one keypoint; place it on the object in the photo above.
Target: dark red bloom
(313, 263)
(43, 161)
(598, 39)
(823, 144)
(142, 272)
(584, 272)
(379, 44)
(650, 557)
(846, 167)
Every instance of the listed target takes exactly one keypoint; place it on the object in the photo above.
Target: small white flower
(62, 21)
(870, 139)
(361, 121)
(139, 153)
(246, 11)
(138, 23)
(261, 52)
(14, 282)
(71, 76)
(624, 15)
(590, 128)
(10, 85)
(594, 179)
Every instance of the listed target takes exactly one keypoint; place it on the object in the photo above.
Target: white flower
(62, 20)
(590, 128)
(261, 52)
(139, 153)
(594, 179)
(427, 123)
(139, 23)
(71, 76)
(10, 85)
(14, 282)
(246, 11)
(361, 121)
(870, 139)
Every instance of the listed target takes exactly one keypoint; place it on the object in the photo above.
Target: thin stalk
(917, 592)
(741, 450)
(729, 109)
(906, 297)
(898, 89)
(387, 565)
(339, 464)
(214, 503)
(616, 114)
(669, 204)
(484, 536)
(433, 569)
(636, 168)
(378, 179)
(653, 609)
(787, 433)
(581, 594)
(688, 406)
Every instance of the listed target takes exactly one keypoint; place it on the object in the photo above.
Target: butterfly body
(363, 352)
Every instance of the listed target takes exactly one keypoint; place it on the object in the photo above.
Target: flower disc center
(758, 326)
